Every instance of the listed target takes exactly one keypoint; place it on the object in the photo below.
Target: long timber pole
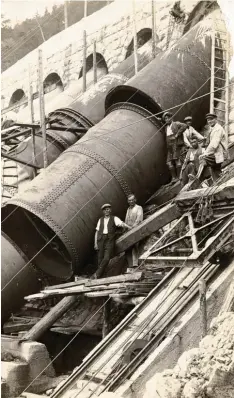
(42, 107)
(153, 29)
(134, 35)
(84, 60)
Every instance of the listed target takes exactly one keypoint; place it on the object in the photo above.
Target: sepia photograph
(117, 196)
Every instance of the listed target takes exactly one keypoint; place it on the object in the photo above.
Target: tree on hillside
(28, 35)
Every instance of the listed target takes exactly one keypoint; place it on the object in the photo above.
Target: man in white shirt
(190, 132)
(217, 149)
(134, 217)
(105, 235)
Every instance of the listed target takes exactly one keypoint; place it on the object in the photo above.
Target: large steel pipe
(84, 111)
(125, 152)
(176, 76)
(18, 278)
(66, 199)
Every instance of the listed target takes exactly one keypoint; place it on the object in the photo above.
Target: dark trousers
(106, 246)
(189, 169)
(215, 168)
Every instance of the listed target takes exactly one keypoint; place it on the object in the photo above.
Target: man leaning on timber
(134, 217)
(105, 235)
(175, 143)
(217, 149)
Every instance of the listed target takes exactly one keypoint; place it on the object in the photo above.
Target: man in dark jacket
(192, 161)
(105, 237)
(175, 144)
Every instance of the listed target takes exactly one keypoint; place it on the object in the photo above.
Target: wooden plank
(135, 276)
(152, 224)
(222, 192)
(74, 330)
(98, 294)
(68, 284)
(50, 318)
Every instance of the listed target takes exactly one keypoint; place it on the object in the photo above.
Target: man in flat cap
(105, 235)
(217, 149)
(175, 143)
(190, 133)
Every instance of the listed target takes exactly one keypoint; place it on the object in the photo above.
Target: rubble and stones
(203, 372)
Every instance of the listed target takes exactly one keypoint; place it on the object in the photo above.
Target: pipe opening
(37, 239)
(134, 96)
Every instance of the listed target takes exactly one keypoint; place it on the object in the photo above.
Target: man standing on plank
(105, 235)
(134, 217)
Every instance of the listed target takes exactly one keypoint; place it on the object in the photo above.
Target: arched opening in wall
(102, 68)
(202, 9)
(143, 36)
(53, 82)
(17, 97)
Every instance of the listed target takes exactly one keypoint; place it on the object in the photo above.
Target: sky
(19, 10)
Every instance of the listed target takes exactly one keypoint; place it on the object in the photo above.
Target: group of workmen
(190, 155)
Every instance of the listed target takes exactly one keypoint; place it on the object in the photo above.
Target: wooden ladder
(219, 83)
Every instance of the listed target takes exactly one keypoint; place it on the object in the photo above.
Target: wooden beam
(136, 276)
(203, 310)
(152, 224)
(68, 284)
(84, 60)
(42, 106)
(106, 319)
(223, 192)
(50, 318)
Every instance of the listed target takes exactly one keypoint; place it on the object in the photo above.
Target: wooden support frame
(4, 155)
(196, 257)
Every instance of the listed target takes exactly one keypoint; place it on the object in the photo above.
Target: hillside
(24, 37)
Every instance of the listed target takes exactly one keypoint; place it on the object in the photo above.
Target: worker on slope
(105, 237)
(175, 143)
(134, 217)
(217, 150)
(190, 132)
(192, 161)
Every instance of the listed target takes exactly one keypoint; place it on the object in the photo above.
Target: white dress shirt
(117, 222)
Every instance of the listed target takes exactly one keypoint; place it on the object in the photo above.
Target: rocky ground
(203, 372)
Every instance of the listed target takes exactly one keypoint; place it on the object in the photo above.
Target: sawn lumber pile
(131, 284)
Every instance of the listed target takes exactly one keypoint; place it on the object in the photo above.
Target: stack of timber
(127, 285)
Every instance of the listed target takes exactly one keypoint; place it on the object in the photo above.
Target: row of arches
(54, 82)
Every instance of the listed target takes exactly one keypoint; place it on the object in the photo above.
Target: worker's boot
(173, 174)
(215, 173)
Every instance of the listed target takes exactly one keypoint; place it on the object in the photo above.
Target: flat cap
(211, 116)
(166, 114)
(105, 206)
(188, 118)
